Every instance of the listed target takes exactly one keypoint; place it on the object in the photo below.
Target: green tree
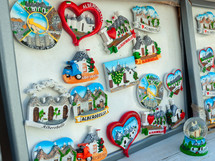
(100, 143)
(56, 112)
(135, 76)
(145, 131)
(117, 76)
(136, 55)
(41, 114)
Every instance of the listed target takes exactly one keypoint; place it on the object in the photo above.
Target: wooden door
(124, 77)
(153, 49)
(101, 103)
(79, 110)
(111, 83)
(36, 114)
(69, 159)
(90, 105)
(142, 51)
(51, 113)
(65, 112)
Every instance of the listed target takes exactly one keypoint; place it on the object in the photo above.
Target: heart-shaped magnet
(173, 82)
(79, 26)
(206, 59)
(150, 119)
(122, 133)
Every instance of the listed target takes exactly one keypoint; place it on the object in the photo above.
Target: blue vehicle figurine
(81, 69)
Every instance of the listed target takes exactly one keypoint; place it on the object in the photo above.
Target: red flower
(182, 115)
(113, 17)
(92, 62)
(91, 66)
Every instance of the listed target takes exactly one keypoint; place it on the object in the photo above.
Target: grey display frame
(12, 101)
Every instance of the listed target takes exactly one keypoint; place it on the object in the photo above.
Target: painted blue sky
(209, 101)
(144, 82)
(47, 4)
(18, 12)
(172, 77)
(147, 10)
(204, 78)
(212, 76)
(81, 90)
(47, 145)
(129, 61)
(39, 19)
(153, 89)
(206, 15)
(204, 53)
(187, 140)
(129, 123)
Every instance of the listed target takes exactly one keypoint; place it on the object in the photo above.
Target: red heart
(122, 122)
(112, 33)
(78, 10)
(182, 115)
(150, 119)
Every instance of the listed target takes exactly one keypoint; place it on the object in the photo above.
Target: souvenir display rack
(12, 85)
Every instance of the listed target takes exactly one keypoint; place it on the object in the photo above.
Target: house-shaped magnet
(80, 69)
(89, 102)
(210, 109)
(206, 59)
(116, 33)
(47, 112)
(208, 84)
(146, 19)
(120, 73)
(205, 23)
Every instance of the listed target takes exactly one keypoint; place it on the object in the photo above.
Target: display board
(34, 66)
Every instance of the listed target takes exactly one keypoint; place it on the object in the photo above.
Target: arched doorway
(65, 112)
(51, 113)
(36, 114)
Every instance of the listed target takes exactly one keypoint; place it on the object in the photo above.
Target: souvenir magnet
(150, 91)
(35, 24)
(206, 59)
(210, 109)
(116, 33)
(81, 69)
(89, 102)
(120, 73)
(153, 122)
(195, 131)
(47, 112)
(145, 50)
(92, 148)
(146, 19)
(173, 82)
(122, 133)
(208, 84)
(60, 150)
(79, 26)
(205, 23)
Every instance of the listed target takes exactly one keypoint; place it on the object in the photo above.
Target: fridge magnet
(80, 25)
(117, 33)
(153, 122)
(150, 91)
(205, 23)
(120, 73)
(174, 115)
(146, 19)
(210, 109)
(173, 82)
(47, 112)
(92, 148)
(35, 24)
(145, 50)
(60, 150)
(206, 59)
(80, 69)
(195, 131)
(122, 133)
(208, 84)
(89, 103)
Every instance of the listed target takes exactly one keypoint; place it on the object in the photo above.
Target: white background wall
(33, 66)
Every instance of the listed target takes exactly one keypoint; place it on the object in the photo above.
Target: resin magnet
(145, 50)
(210, 109)
(122, 133)
(150, 91)
(205, 23)
(146, 19)
(206, 59)
(48, 112)
(80, 25)
(89, 102)
(81, 69)
(35, 24)
(195, 131)
(153, 122)
(120, 73)
(208, 84)
(60, 150)
(173, 82)
(92, 148)
(116, 33)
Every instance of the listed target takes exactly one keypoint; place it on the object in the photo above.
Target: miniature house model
(205, 23)
(195, 130)
(48, 112)
(210, 109)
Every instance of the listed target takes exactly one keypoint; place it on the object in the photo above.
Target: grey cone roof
(118, 22)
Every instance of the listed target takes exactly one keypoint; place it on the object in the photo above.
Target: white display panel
(33, 66)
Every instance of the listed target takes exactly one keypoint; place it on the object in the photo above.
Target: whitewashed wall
(33, 66)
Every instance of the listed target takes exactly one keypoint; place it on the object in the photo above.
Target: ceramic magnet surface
(146, 19)
(35, 24)
(150, 91)
(206, 59)
(210, 109)
(173, 82)
(205, 23)
(122, 133)
(208, 84)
